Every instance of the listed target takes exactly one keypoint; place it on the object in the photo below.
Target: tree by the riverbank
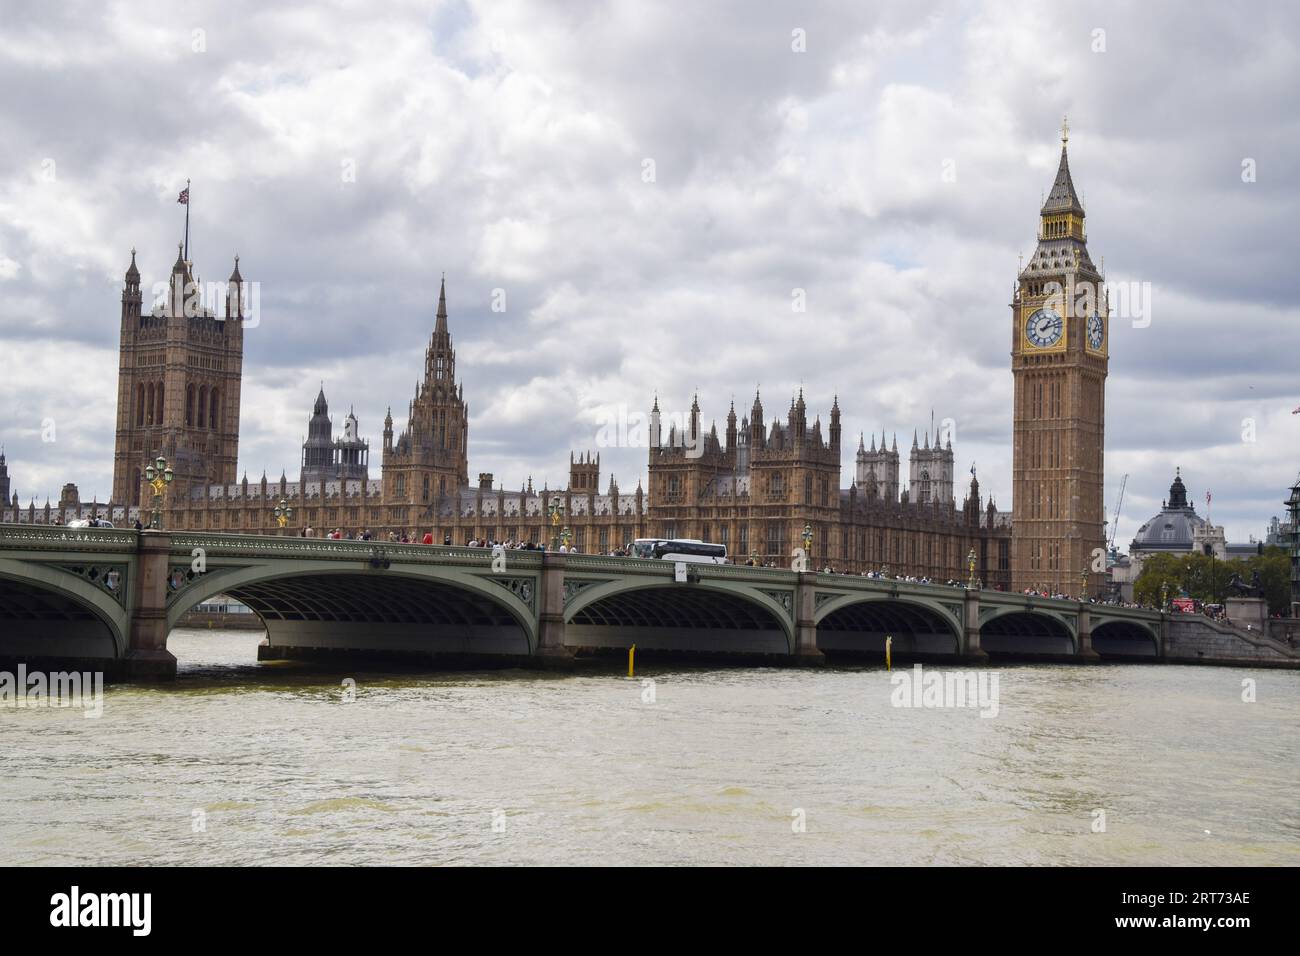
(1200, 577)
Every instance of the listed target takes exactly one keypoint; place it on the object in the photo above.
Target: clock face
(1044, 328)
(1096, 332)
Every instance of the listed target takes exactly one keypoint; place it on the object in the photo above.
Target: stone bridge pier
(147, 655)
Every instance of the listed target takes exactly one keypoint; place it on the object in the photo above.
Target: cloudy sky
(647, 185)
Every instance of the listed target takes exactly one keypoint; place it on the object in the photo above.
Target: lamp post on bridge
(1083, 585)
(556, 511)
(283, 512)
(807, 544)
(159, 475)
(970, 568)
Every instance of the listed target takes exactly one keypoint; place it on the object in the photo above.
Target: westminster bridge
(101, 596)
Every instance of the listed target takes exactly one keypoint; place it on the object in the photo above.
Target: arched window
(139, 404)
(203, 404)
(148, 404)
(189, 404)
(212, 411)
(158, 405)
(135, 487)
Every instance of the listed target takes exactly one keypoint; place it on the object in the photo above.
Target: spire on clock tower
(1063, 198)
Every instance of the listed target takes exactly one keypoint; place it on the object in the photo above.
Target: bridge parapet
(252, 546)
(52, 538)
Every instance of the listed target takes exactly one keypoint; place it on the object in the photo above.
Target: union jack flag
(184, 197)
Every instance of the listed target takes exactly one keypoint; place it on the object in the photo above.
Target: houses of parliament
(757, 487)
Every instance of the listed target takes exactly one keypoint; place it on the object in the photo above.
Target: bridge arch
(1124, 639)
(859, 624)
(406, 609)
(50, 612)
(1027, 632)
(656, 613)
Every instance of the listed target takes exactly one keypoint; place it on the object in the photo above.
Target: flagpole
(187, 220)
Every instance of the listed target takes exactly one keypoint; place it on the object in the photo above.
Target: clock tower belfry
(1060, 325)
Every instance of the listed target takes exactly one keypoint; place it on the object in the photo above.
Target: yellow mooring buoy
(889, 643)
(631, 654)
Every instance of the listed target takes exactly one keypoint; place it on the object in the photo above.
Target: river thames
(240, 763)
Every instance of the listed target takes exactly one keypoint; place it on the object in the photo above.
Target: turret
(235, 298)
(835, 424)
(131, 296)
(756, 433)
(656, 428)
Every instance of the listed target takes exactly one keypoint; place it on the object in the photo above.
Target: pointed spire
(235, 276)
(441, 327)
(915, 443)
(132, 272)
(1063, 198)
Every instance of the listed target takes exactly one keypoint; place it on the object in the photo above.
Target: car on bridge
(90, 523)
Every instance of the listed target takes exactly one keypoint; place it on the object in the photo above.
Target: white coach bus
(679, 549)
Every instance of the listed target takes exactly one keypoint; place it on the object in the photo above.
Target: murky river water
(520, 767)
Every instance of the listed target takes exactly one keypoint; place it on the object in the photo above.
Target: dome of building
(1174, 527)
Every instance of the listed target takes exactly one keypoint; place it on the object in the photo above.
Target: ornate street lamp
(807, 543)
(159, 475)
(564, 537)
(970, 567)
(1083, 585)
(283, 512)
(556, 512)
(1164, 595)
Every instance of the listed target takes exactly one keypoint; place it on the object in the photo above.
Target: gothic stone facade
(756, 488)
(178, 380)
(761, 489)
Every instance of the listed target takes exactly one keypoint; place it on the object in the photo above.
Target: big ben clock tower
(1060, 325)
